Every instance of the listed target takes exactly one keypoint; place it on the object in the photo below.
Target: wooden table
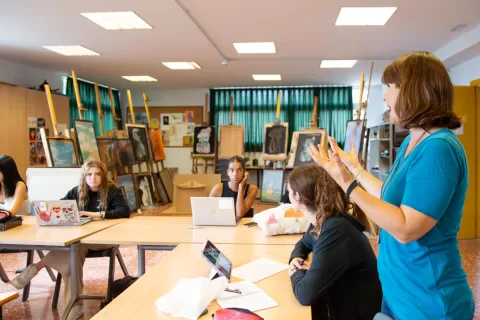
(138, 301)
(31, 236)
(165, 233)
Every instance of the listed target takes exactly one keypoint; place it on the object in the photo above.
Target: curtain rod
(283, 87)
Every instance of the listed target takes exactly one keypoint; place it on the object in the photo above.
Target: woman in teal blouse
(419, 206)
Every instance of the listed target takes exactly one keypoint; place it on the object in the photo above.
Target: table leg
(141, 261)
(73, 279)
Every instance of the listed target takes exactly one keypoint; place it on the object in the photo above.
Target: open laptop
(210, 211)
(58, 213)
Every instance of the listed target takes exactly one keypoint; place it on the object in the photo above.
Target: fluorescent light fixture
(181, 65)
(72, 50)
(140, 78)
(117, 20)
(255, 47)
(337, 63)
(266, 77)
(364, 16)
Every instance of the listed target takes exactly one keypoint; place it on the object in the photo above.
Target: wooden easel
(205, 161)
(77, 96)
(233, 129)
(114, 112)
(313, 126)
(145, 102)
(276, 157)
(363, 151)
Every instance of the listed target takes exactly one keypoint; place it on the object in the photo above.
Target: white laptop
(210, 211)
(58, 213)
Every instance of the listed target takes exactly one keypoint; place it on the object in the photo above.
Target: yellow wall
(464, 106)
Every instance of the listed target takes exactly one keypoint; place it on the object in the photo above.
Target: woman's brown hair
(425, 99)
(319, 193)
(83, 187)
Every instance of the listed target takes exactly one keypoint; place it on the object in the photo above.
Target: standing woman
(243, 194)
(419, 206)
(13, 190)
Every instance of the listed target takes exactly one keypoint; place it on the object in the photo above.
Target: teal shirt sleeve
(432, 178)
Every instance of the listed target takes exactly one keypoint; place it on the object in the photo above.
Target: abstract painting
(272, 183)
(138, 135)
(62, 152)
(275, 139)
(109, 152)
(126, 182)
(204, 140)
(125, 152)
(87, 142)
(145, 190)
(305, 140)
(355, 132)
(157, 144)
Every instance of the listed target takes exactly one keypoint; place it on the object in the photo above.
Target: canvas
(37, 154)
(293, 149)
(87, 142)
(127, 183)
(275, 139)
(231, 141)
(272, 183)
(109, 152)
(62, 152)
(204, 140)
(138, 135)
(145, 190)
(162, 193)
(157, 144)
(125, 152)
(167, 181)
(355, 132)
(305, 140)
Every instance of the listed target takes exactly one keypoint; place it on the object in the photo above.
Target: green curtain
(87, 96)
(257, 106)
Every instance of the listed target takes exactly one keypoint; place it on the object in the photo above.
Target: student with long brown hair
(13, 190)
(419, 207)
(98, 198)
(341, 280)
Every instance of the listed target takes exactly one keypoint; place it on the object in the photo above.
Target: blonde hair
(83, 187)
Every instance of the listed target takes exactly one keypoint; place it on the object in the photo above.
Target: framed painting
(204, 140)
(126, 182)
(355, 132)
(125, 152)
(323, 135)
(231, 141)
(305, 140)
(137, 133)
(87, 142)
(62, 152)
(272, 185)
(145, 190)
(158, 149)
(275, 138)
(109, 153)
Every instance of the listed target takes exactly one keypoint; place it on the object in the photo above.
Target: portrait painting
(138, 135)
(204, 140)
(305, 140)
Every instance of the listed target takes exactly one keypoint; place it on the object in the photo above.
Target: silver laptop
(209, 211)
(58, 213)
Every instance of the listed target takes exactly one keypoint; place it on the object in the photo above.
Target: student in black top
(97, 198)
(243, 194)
(340, 281)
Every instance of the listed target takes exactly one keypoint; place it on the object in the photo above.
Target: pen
(233, 291)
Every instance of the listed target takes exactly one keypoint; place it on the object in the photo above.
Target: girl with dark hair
(243, 194)
(341, 279)
(13, 190)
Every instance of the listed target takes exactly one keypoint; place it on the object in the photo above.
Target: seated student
(97, 198)
(243, 194)
(13, 190)
(341, 280)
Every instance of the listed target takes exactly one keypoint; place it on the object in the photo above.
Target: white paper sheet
(252, 297)
(259, 269)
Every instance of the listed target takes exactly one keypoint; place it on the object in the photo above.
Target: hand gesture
(244, 181)
(349, 159)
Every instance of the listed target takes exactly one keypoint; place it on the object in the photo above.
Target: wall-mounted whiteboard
(51, 183)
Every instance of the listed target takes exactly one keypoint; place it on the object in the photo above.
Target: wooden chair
(6, 297)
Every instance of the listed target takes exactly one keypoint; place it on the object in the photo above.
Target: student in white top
(13, 190)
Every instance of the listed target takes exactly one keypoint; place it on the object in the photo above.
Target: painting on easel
(204, 140)
(293, 149)
(125, 152)
(138, 136)
(355, 132)
(62, 152)
(87, 142)
(109, 152)
(231, 141)
(157, 144)
(305, 140)
(275, 139)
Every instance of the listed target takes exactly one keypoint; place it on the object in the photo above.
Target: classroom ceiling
(304, 32)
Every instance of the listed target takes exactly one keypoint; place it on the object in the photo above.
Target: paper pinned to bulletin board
(179, 130)
(166, 119)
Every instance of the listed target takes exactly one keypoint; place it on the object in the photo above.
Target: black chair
(111, 253)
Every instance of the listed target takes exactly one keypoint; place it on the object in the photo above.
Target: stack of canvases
(120, 150)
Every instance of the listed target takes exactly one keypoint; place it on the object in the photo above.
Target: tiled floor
(38, 305)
